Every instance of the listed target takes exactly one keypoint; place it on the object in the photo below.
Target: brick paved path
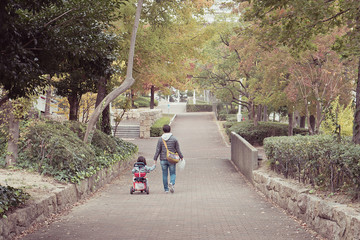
(211, 199)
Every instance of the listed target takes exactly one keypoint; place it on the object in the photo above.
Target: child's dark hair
(141, 159)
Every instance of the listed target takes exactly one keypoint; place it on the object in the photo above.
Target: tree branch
(58, 17)
(47, 24)
(129, 80)
(330, 18)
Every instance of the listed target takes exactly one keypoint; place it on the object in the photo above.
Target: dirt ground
(36, 185)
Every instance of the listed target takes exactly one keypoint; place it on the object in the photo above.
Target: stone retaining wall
(147, 119)
(331, 220)
(62, 198)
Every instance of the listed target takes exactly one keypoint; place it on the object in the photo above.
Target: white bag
(181, 164)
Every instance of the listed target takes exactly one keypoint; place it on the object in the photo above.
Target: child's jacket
(145, 169)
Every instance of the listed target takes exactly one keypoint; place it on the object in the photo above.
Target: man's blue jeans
(166, 168)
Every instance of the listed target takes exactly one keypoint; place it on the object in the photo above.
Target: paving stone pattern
(211, 199)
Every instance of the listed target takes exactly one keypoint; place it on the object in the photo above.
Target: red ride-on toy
(140, 180)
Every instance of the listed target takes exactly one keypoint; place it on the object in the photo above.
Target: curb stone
(62, 198)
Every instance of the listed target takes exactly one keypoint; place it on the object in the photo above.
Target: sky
(216, 8)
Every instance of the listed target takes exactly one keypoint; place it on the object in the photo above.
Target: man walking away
(167, 167)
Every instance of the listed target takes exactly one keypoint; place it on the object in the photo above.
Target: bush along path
(318, 160)
(57, 150)
(11, 198)
(255, 135)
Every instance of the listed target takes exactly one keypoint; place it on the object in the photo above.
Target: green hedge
(227, 117)
(58, 150)
(11, 198)
(156, 128)
(319, 160)
(227, 125)
(198, 108)
(256, 135)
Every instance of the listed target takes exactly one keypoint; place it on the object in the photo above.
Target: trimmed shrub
(256, 135)
(11, 198)
(198, 108)
(57, 150)
(231, 118)
(227, 117)
(228, 125)
(156, 128)
(319, 160)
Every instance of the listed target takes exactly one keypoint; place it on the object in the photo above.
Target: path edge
(331, 220)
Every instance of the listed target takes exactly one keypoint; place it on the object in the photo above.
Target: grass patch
(156, 128)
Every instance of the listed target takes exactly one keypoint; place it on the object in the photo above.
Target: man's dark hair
(166, 128)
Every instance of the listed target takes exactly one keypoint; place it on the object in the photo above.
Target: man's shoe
(171, 188)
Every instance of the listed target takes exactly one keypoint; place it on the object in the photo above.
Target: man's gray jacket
(172, 144)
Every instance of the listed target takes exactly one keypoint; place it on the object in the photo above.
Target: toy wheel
(132, 190)
(147, 190)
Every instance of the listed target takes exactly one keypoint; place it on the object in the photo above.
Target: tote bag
(171, 156)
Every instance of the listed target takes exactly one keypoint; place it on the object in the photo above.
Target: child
(145, 168)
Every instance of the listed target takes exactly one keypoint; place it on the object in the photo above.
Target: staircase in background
(127, 131)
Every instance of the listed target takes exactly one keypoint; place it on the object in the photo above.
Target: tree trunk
(356, 127)
(318, 117)
(14, 131)
(311, 131)
(259, 112)
(290, 128)
(132, 96)
(296, 119)
(302, 121)
(104, 125)
(252, 111)
(255, 117)
(128, 82)
(152, 97)
(48, 102)
(312, 121)
(4, 99)
(101, 93)
(74, 107)
(265, 114)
